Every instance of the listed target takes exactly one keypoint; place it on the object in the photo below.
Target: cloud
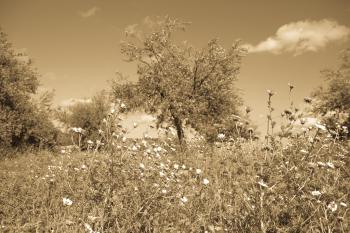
(72, 101)
(302, 36)
(90, 12)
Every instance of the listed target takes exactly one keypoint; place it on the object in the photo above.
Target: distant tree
(87, 115)
(332, 100)
(181, 85)
(24, 120)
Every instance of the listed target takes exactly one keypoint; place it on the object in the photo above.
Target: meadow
(147, 185)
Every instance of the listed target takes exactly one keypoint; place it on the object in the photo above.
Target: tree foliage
(332, 100)
(24, 120)
(182, 85)
(86, 115)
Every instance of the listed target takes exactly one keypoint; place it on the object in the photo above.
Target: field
(152, 186)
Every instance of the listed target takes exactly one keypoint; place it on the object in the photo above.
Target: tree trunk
(178, 125)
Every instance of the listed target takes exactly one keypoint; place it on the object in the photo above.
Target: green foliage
(182, 85)
(332, 100)
(24, 121)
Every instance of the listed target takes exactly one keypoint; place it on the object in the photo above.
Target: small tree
(182, 85)
(88, 115)
(332, 100)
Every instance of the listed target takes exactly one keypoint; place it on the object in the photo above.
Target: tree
(332, 100)
(23, 120)
(87, 115)
(181, 85)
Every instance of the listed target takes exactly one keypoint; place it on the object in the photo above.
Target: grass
(289, 189)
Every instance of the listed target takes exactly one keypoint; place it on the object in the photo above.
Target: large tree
(332, 100)
(24, 120)
(183, 85)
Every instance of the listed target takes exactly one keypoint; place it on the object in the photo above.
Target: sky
(75, 43)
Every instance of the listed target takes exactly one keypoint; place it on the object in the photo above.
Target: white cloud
(90, 12)
(72, 101)
(302, 36)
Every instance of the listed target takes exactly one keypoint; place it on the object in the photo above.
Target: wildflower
(316, 193)
(134, 148)
(198, 171)
(83, 166)
(124, 139)
(263, 184)
(307, 100)
(67, 202)
(332, 206)
(221, 136)
(122, 105)
(161, 174)
(142, 166)
(89, 228)
(322, 164)
(63, 151)
(104, 120)
(176, 166)
(290, 86)
(90, 142)
(250, 130)
(184, 199)
(164, 191)
(343, 204)
(270, 93)
(304, 151)
(288, 112)
(205, 181)
(329, 164)
(183, 166)
(321, 127)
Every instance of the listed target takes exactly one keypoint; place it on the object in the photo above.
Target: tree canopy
(182, 85)
(332, 100)
(23, 120)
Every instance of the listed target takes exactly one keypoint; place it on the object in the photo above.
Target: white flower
(316, 193)
(221, 136)
(90, 142)
(183, 166)
(89, 228)
(67, 202)
(124, 139)
(184, 199)
(343, 204)
(142, 166)
(304, 151)
(134, 148)
(263, 184)
(322, 164)
(198, 171)
(332, 206)
(176, 166)
(321, 127)
(83, 166)
(122, 105)
(63, 151)
(161, 174)
(164, 191)
(205, 181)
(329, 164)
